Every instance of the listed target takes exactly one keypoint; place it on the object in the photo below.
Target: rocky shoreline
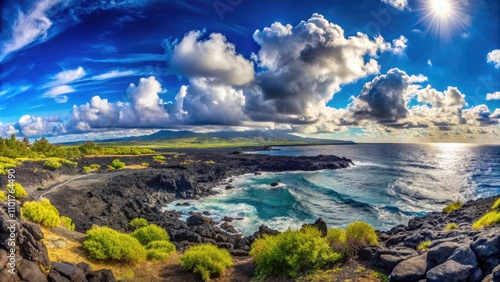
(114, 198)
(461, 254)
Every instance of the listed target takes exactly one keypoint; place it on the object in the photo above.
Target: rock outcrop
(461, 254)
(24, 257)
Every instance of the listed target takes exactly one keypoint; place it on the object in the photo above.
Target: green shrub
(3, 196)
(159, 158)
(159, 250)
(87, 169)
(111, 167)
(95, 166)
(452, 207)
(292, 252)
(150, 233)
(117, 164)
(206, 260)
(42, 212)
(145, 164)
(52, 165)
(496, 205)
(138, 222)
(67, 223)
(17, 190)
(104, 243)
(381, 277)
(451, 226)
(210, 162)
(424, 246)
(360, 234)
(337, 239)
(488, 219)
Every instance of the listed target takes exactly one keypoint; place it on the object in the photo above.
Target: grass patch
(159, 158)
(452, 207)
(3, 196)
(424, 246)
(206, 260)
(321, 275)
(450, 226)
(145, 164)
(488, 219)
(159, 250)
(52, 165)
(496, 205)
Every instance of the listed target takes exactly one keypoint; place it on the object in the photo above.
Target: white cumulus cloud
(494, 58)
(493, 96)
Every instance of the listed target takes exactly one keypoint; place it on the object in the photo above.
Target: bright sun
(441, 8)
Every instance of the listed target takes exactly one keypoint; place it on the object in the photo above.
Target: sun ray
(443, 17)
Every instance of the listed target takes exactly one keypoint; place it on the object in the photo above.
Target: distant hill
(264, 135)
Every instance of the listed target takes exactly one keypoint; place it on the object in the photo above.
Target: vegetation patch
(3, 196)
(67, 223)
(17, 190)
(292, 252)
(359, 234)
(496, 205)
(451, 226)
(424, 246)
(138, 222)
(104, 243)
(486, 220)
(52, 165)
(206, 260)
(159, 250)
(452, 207)
(117, 164)
(150, 233)
(42, 212)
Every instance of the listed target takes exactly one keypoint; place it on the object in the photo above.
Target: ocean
(388, 185)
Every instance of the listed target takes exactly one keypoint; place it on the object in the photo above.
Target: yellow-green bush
(87, 169)
(150, 233)
(292, 252)
(496, 205)
(488, 219)
(159, 250)
(117, 164)
(67, 223)
(424, 246)
(42, 212)
(52, 165)
(452, 207)
(3, 196)
(138, 222)
(104, 243)
(206, 260)
(145, 164)
(360, 234)
(95, 166)
(159, 158)
(337, 239)
(450, 226)
(17, 190)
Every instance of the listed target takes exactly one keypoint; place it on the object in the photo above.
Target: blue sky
(376, 70)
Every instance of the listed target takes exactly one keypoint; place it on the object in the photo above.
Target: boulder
(464, 255)
(230, 187)
(56, 277)
(476, 275)
(274, 184)
(29, 271)
(486, 244)
(103, 275)
(228, 227)
(3, 258)
(412, 269)
(450, 271)
(440, 253)
(198, 219)
(70, 271)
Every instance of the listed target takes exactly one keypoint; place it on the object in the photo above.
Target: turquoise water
(388, 185)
